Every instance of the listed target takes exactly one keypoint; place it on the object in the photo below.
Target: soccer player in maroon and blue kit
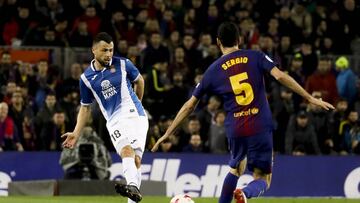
(238, 77)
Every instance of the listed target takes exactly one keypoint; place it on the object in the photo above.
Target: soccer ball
(182, 198)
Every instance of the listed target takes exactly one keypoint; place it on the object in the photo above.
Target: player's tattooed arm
(139, 86)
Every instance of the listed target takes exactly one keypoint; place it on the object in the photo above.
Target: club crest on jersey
(112, 69)
(108, 90)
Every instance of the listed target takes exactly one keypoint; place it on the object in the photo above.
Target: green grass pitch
(114, 199)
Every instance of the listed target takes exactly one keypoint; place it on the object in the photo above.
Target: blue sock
(228, 188)
(255, 188)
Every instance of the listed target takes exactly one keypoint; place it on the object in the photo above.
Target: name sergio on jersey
(108, 90)
(234, 61)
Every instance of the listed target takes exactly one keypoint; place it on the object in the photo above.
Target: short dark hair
(102, 36)
(228, 34)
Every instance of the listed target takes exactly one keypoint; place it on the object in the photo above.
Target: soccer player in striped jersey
(238, 77)
(118, 87)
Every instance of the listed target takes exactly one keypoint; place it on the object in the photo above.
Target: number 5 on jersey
(239, 86)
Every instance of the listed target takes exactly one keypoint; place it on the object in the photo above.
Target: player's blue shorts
(257, 148)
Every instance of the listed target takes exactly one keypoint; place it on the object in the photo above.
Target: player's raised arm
(289, 82)
(82, 118)
(184, 112)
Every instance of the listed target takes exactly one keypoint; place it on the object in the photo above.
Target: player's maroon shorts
(257, 148)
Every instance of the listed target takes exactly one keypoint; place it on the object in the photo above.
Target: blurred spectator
(217, 134)
(301, 136)
(26, 77)
(17, 27)
(158, 86)
(282, 109)
(286, 24)
(18, 112)
(195, 144)
(134, 55)
(42, 79)
(80, 37)
(249, 32)
(193, 127)
(70, 102)
(324, 81)
(173, 42)
(346, 80)
(295, 72)
(213, 54)
(50, 9)
(302, 19)
(310, 59)
(285, 50)
(167, 24)
(92, 20)
(122, 47)
(9, 90)
(319, 118)
(153, 135)
(355, 139)
(349, 15)
(204, 44)
(351, 122)
(180, 89)
(8, 69)
(335, 118)
(50, 134)
(192, 55)
(206, 115)
(154, 52)
(179, 64)
(71, 83)
(49, 38)
(9, 139)
(44, 116)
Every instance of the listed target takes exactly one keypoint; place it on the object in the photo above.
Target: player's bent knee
(259, 174)
(234, 171)
(137, 161)
(127, 151)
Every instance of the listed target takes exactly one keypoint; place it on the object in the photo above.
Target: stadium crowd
(172, 42)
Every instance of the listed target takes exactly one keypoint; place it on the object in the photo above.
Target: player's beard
(103, 63)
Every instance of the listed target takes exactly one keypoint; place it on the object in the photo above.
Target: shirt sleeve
(86, 96)
(266, 63)
(131, 70)
(203, 86)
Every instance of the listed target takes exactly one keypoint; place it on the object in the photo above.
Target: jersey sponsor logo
(234, 61)
(108, 90)
(248, 112)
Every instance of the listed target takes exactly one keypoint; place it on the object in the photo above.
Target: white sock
(130, 171)
(138, 175)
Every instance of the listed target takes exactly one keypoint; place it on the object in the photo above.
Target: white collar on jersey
(93, 68)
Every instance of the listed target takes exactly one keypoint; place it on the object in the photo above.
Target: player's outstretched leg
(130, 191)
(255, 188)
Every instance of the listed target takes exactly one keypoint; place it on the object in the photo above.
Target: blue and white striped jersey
(112, 89)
